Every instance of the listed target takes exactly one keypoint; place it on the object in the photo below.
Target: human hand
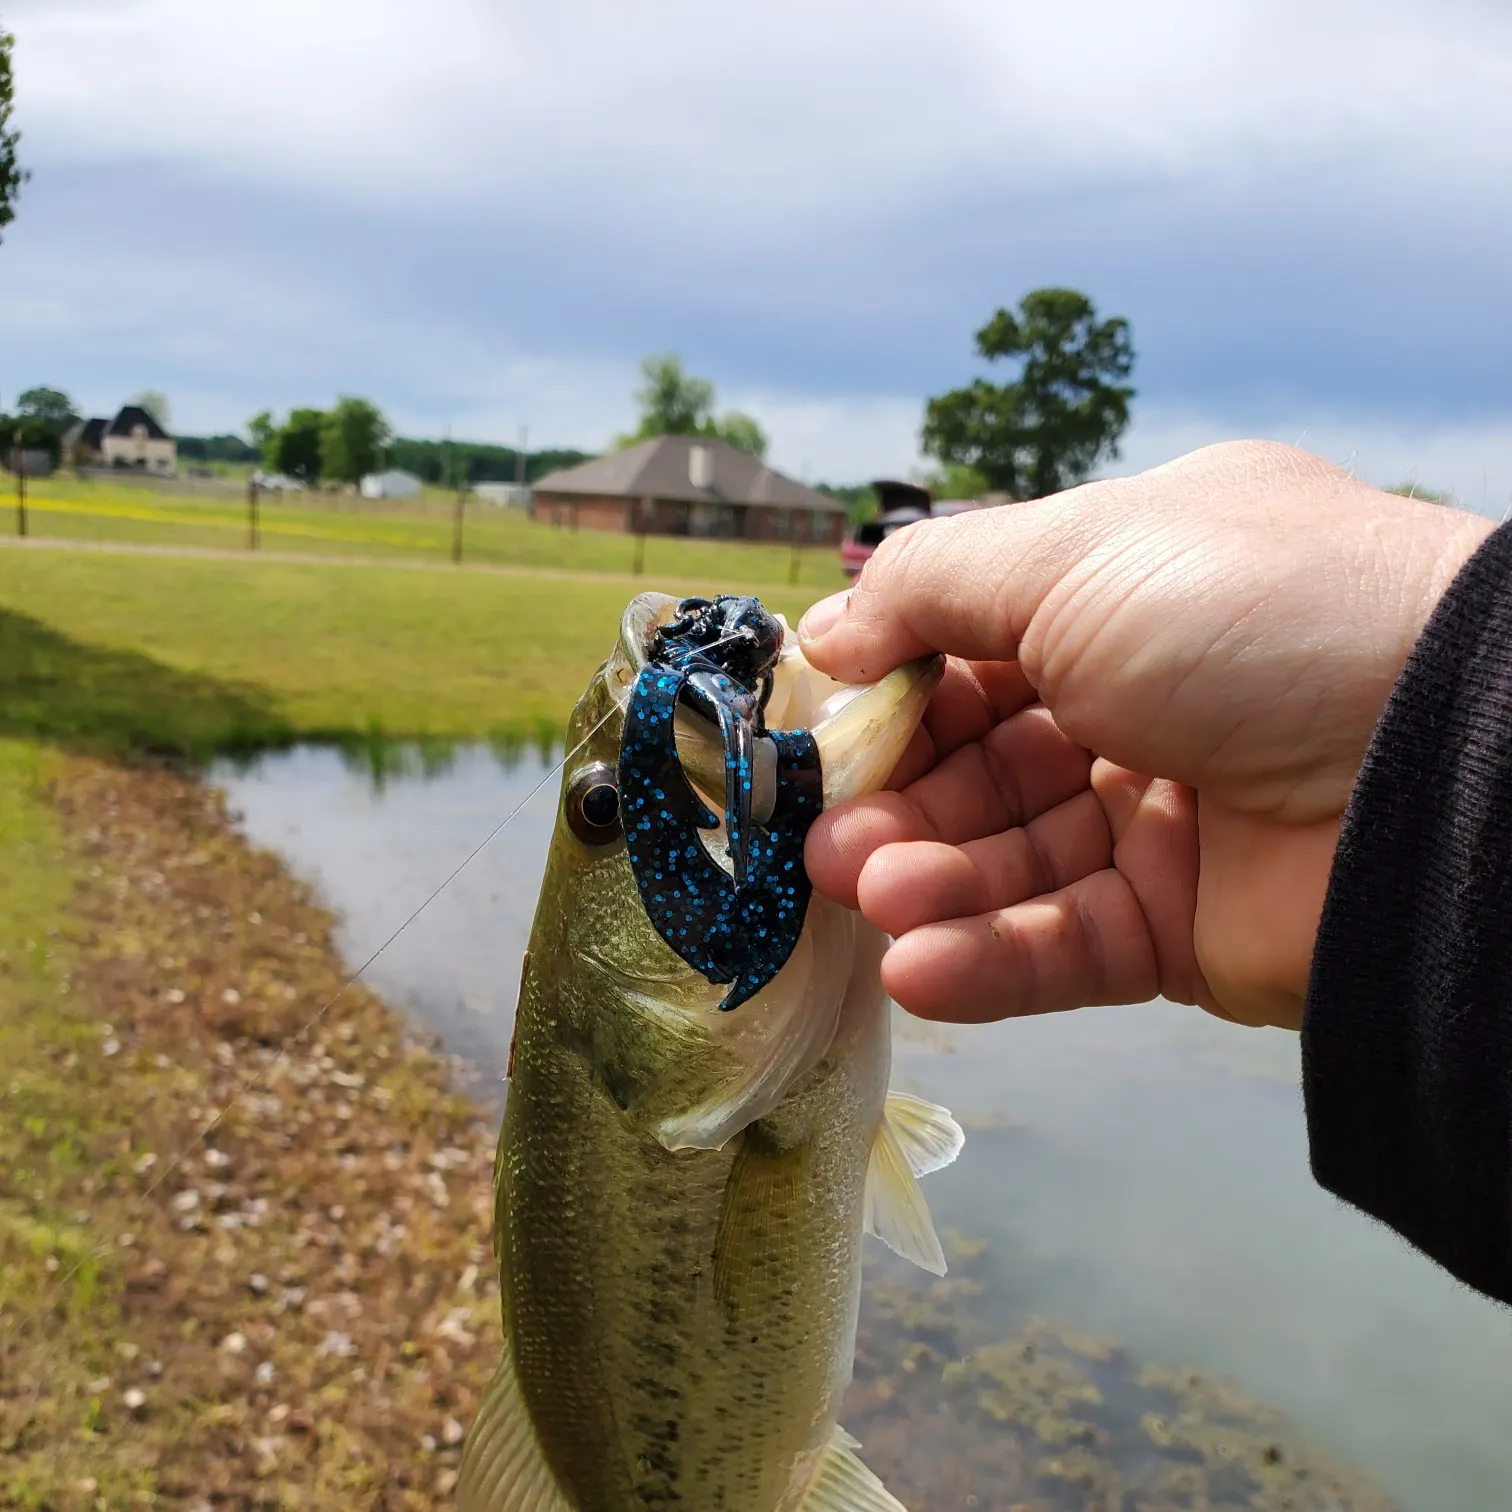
(1159, 694)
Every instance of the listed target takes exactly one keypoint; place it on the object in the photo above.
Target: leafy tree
(294, 448)
(1063, 414)
(352, 440)
(263, 431)
(47, 406)
(672, 403)
(156, 405)
(12, 175)
(43, 416)
(743, 433)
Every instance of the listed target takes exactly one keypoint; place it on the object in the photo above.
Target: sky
(482, 214)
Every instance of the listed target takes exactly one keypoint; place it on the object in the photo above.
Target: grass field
(121, 652)
(66, 509)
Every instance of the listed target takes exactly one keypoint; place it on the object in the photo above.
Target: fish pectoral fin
(930, 1137)
(895, 1210)
(843, 1484)
(503, 1466)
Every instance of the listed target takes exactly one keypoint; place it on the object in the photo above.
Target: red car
(902, 504)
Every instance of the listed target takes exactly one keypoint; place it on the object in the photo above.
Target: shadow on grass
(118, 703)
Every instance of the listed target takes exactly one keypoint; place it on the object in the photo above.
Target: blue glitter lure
(716, 658)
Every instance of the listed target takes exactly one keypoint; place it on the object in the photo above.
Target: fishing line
(251, 1084)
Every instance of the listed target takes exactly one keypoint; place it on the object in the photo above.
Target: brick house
(687, 485)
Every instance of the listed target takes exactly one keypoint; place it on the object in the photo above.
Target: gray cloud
(487, 211)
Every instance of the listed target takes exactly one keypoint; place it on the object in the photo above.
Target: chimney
(700, 467)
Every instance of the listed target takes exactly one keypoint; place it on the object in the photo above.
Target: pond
(1134, 1195)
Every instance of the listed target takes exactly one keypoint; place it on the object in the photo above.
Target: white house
(133, 439)
(393, 484)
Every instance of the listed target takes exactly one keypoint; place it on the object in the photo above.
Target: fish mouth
(861, 730)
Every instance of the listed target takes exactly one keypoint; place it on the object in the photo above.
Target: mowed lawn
(338, 525)
(193, 655)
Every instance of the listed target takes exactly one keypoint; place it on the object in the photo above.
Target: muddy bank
(302, 1312)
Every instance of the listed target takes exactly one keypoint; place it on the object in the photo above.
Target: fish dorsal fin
(843, 1484)
(503, 1467)
(913, 1138)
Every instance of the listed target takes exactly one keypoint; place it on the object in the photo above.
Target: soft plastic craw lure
(716, 658)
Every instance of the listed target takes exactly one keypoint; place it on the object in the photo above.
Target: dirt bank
(301, 1311)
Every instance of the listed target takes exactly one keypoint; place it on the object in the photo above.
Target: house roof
(133, 415)
(662, 468)
(85, 433)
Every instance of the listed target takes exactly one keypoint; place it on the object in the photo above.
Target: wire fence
(235, 515)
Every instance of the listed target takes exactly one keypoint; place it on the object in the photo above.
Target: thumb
(967, 585)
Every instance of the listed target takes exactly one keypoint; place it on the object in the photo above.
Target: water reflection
(1138, 1174)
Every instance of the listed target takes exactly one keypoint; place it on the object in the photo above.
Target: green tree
(47, 406)
(156, 405)
(12, 175)
(742, 432)
(672, 403)
(42, 418)
(352, 440)
(1063, 414)
(295, 446)
(263, 431)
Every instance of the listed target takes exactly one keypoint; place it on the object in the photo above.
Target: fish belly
(683, 1324)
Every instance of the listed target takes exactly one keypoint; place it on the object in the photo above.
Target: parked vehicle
(902, 505)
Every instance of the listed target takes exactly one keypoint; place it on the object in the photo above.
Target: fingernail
(822, 618)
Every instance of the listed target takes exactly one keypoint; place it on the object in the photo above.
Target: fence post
(457, 526)
(252, 524)
(638, 513)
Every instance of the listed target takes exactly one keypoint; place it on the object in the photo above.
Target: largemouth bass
(686, 1169)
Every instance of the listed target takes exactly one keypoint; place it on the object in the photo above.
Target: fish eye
(593, 808)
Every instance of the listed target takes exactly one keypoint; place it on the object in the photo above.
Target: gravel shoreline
(302, 1310)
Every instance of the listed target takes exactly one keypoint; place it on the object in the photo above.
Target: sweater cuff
(1407, 1028)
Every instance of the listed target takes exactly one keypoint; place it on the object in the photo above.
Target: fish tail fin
(913, 1138)
(843, 1484)
(503, 1466)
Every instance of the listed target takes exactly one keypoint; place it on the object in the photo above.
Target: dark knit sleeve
(1407, 1031)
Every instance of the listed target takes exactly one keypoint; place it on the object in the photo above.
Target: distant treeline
(450, 462)
(216, 449)
(444, 462)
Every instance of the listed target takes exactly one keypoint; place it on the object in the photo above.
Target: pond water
(1139, 1173)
